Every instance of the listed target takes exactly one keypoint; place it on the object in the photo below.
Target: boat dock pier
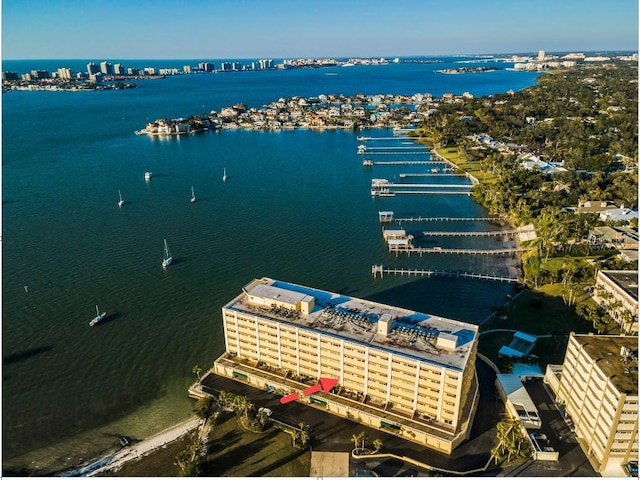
(422, 152)
(381, 270)
(367, 139)
(450, 219)
(497, 233)
(388, 216)
(403, 162)
(405, 175)
(385, 192)
(427, 185)
(381, 187)
(398, 132)
(469, 251)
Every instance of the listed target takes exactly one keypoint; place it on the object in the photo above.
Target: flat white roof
(515, 391)
(356, 320)
(277, 294)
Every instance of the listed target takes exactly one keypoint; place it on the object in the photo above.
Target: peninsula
(322, 112)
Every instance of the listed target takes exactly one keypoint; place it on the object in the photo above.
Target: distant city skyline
(162, 29)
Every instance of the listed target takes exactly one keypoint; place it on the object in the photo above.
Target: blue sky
(163, 29)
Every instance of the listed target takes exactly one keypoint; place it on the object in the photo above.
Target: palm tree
(196, 369)
(304, 438)
(377, 444)
(363, 438)
(223, 399)
(355, 439)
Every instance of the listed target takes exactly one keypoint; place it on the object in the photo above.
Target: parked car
(631, 468)
(539, 437)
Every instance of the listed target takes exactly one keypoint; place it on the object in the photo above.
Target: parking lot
(333, 434)
(556, 434)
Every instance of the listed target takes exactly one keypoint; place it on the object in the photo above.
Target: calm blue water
(296, 206)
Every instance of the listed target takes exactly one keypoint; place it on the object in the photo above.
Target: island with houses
(322, 112)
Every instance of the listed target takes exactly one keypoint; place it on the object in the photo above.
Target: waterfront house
(621, 214)
(594, 206)
(620, 238)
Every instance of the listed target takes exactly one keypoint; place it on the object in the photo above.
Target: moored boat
(98, 318)
(168, 258)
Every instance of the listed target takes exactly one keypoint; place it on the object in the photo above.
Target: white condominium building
(400, 371)
(617, 292)
(598, 386)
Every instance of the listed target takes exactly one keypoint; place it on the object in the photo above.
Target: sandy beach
(133, 452)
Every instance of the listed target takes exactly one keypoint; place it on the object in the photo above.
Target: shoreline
(113, 462)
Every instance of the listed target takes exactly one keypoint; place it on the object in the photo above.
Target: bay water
(295, 206)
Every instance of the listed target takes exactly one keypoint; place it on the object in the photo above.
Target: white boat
(121, 201)
(98, 318)
(193, 195)
(224, 175)
(168, 258)
(147, 175)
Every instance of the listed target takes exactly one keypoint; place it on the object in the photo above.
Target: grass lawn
(234, 452)
(540, 311)
(473, 168)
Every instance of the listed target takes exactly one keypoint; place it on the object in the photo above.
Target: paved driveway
(333, 434)
(572, 461)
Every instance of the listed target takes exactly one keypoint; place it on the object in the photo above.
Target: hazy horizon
(163, 29)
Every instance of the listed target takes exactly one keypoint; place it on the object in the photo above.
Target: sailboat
(193, 195)
(224, 175)
(168, 258)
(121, 202)
(98, 318)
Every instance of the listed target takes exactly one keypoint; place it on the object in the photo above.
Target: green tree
(355, 438)
(204, 407)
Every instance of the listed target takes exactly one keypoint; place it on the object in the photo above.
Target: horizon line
(336, 56)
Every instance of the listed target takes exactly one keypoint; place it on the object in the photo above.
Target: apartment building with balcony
(403, 372)
(617, 292)
(597, 388)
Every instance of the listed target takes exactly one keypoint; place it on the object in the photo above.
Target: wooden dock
(368, 152)
(428, 185)
(497, 233)
(461, 251)
(385, 193)
(368, 139)
(404, 162)
(381, 271)
(405, 175)
(387, 216)
(400, 147)
(449, 219)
